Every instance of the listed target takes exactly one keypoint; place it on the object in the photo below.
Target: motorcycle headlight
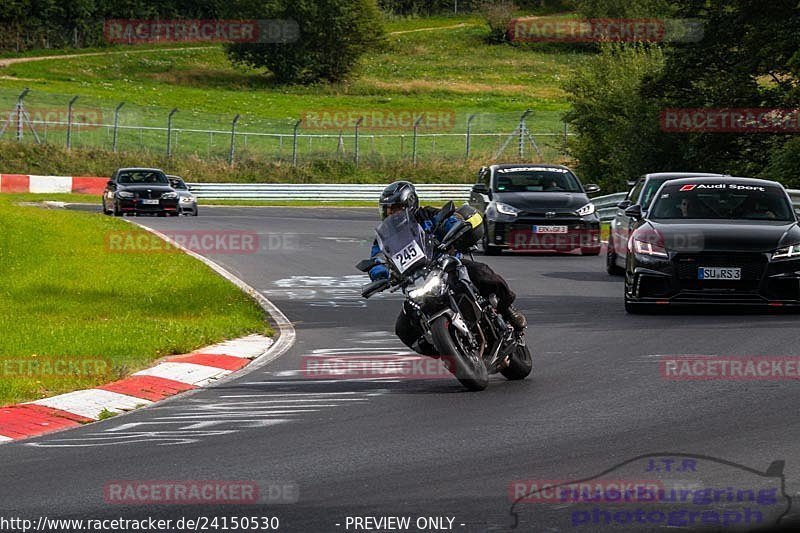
(787, 252)
(125, 194)
(649, 248)
(586, 210)
(505, 209)
(432, 285)
(187, 199)
(169, 196)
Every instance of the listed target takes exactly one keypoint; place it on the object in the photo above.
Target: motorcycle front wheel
(465, 364)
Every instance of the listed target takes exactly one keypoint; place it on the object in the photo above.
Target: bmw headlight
(787, 252)
(187, 199)
(505, 209)
(169, 196)
(125, 194)
(586, 210)
(432, 285)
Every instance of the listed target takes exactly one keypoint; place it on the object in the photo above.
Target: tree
(617, 128)
(333, 34)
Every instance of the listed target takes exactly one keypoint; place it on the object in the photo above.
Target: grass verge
(64, 296)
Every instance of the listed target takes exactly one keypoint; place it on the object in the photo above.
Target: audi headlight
(433, 285)
(586, 210)
(169, 196)
(187, 199)
(505, 209)
(649, 248)
(787, 252)
(125, 194)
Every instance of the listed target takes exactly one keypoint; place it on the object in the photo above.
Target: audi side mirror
(624, 204)
(592, 188)
(634, 211)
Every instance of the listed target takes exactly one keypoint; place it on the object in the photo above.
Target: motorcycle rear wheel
(469, 367)
(521, 364)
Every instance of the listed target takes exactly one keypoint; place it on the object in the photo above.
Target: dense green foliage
(333, 34)
(749, 57)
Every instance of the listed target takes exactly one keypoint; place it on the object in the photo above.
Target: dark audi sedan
(720, 241)
(536, 208)
(139, 191)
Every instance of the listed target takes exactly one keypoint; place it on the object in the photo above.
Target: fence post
(522, 132)
(358, 125)
(294, 142)
(116, 126)
(233, 139)
(414, 142)
(21, 112)
(169, 131)
(469, 135)
(69, 122)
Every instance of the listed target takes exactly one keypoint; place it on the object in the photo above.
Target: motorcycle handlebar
(375, 287)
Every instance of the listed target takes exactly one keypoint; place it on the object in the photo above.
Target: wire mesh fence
(356, 135)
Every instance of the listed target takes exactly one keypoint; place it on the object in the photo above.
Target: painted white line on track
(90, 403)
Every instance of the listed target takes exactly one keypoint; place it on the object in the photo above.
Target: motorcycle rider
(402, 195)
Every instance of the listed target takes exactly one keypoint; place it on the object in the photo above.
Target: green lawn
(65, 295)
(450, 69)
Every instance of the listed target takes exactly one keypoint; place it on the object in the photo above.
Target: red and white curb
(28, 183)
(177, 374)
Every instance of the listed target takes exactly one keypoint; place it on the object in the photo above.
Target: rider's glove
(378, 272)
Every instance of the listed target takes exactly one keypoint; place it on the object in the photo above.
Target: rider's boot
(515, 318)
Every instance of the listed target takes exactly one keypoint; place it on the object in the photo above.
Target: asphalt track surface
(425, 447)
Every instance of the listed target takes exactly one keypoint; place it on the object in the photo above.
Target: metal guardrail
(320, 191)
(606, 205)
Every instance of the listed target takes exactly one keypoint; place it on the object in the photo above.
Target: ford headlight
(433, 285)
(125, 194)
(169, 196)
(787, 252)
(586, 210)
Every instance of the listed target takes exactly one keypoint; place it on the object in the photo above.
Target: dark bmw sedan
(536, 208)
(721, 241)
(139, 191)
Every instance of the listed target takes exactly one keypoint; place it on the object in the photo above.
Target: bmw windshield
(722, 201)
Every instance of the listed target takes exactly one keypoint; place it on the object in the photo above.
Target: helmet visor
(391, 209)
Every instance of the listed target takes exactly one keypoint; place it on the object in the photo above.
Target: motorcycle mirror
(450, 236)
(445, 212)
(365, 265)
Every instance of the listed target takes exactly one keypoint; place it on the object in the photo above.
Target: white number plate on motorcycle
(407, 257)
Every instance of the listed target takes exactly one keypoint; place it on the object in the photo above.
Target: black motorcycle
(466, 330)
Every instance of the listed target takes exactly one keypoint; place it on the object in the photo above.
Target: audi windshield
(722, 201)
